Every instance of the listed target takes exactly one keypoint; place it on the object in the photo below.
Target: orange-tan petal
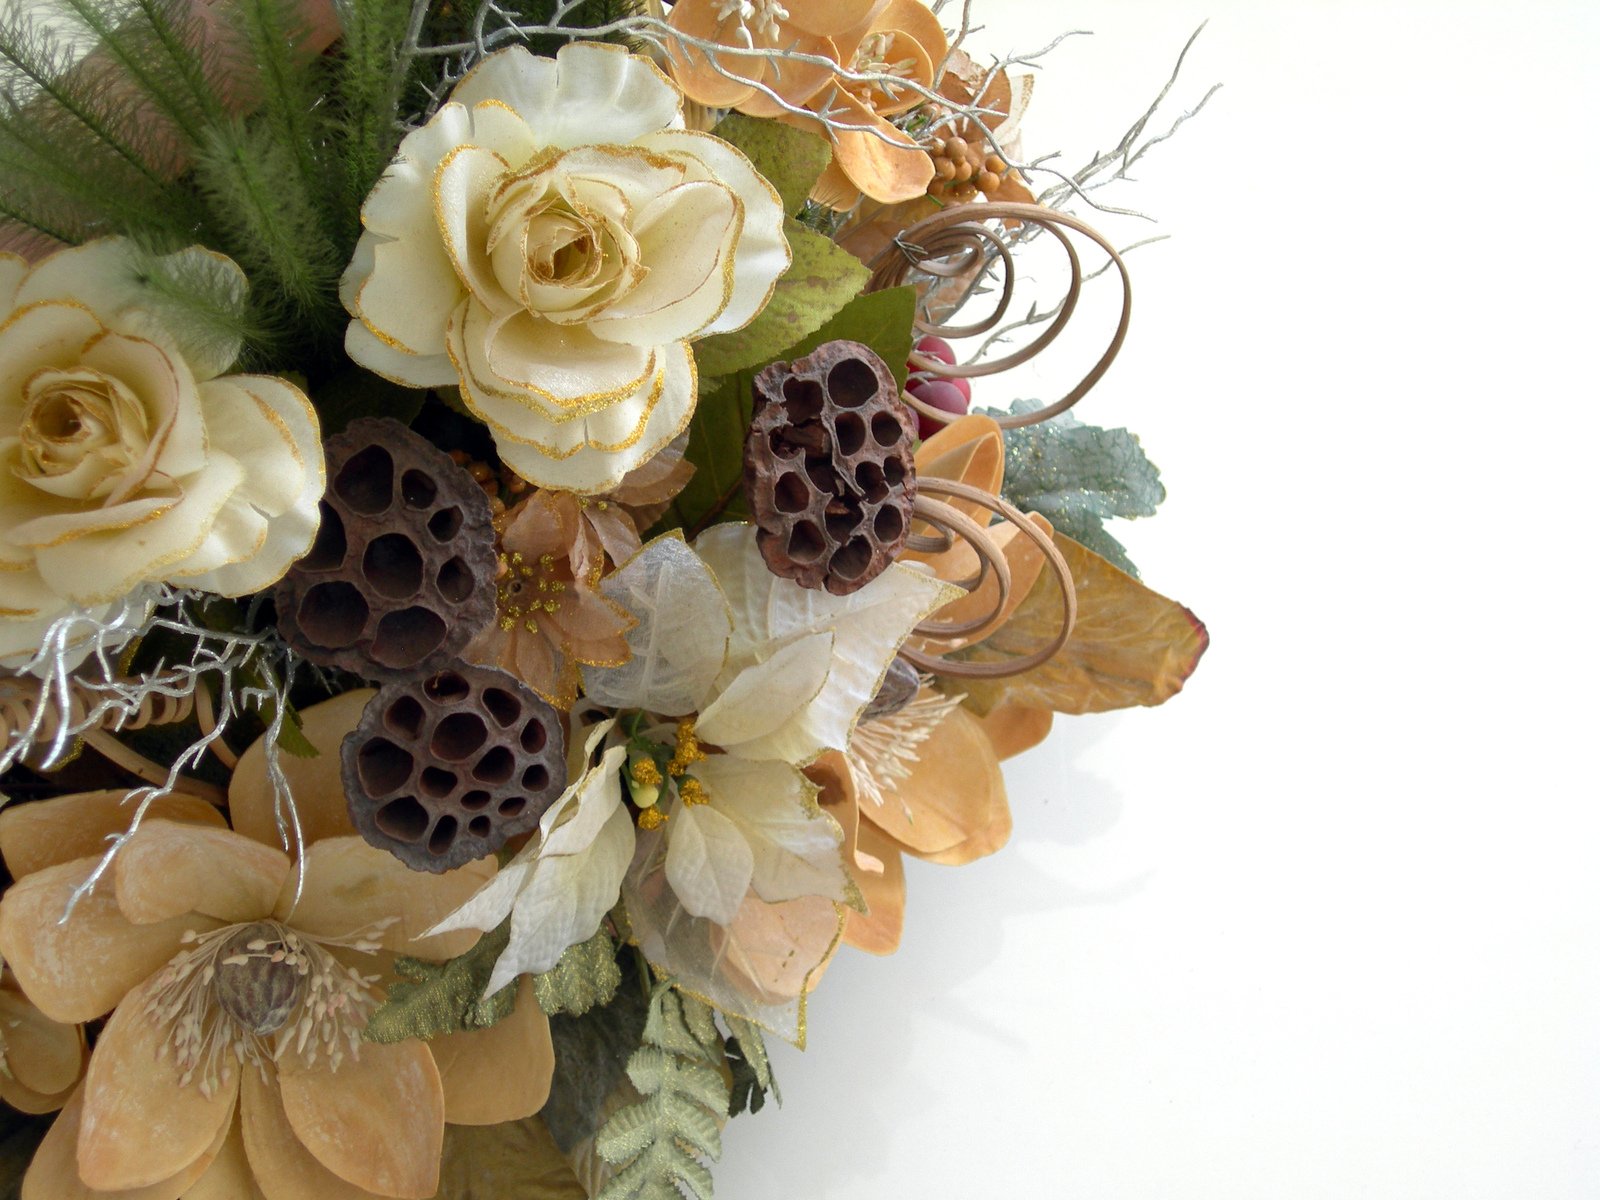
(51, 832)
(501, 1073)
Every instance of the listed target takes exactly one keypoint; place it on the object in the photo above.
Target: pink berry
(940, 394)
(936, 347)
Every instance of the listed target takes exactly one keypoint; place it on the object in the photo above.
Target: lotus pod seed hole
(495, 767)
(821, 473)
(329, 548)
(447, 687)
(476, 800)
(806, 543)
(886, 430)
(417, 490)
(393, 566)
(444, 833)
(404, 819)
(851, 433)
(853, 559)
(851, 383)
(513, 806)
(366, 481)
(437, 782)
(886, 526)
(792, 493)
(454, 581)
(404, 717)
(894, 472)
(408, 636)
(870, 479)
(479, 827)
(458, 737)
(535, 778)
(802, 400)
(333, 614)
(503, 706)
(841, 524)
(384, 766)
(445, 523)
(534, 736)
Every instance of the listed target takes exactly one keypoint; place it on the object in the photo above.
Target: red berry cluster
(952, 395)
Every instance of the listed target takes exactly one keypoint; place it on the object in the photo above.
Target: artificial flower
(550, 615)
(552, 241)
(127, 457)
(237, 988)
(40, 1059)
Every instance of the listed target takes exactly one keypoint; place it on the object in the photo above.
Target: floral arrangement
(498, 571)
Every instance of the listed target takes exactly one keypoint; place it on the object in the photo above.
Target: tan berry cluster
(962, 166)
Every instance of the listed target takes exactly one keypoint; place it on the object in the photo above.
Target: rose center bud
(80, 432)
(259, 981)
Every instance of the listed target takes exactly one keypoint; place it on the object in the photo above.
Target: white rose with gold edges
(552, 241)
(126, 458)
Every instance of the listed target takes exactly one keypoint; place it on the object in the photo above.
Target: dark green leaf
(592, 1054)
(19, 1137)
(790, 158)
(356, 393)
(435, 998)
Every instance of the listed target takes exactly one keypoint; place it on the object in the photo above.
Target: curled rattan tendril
(989, 551)
(954, 242)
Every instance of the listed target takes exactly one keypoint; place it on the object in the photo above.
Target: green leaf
(591, 1059)
(791, 159)
(356, 393)
(435, 998)
(1077, 476)
(586, 976)
(292, 734)
(882, 321)
(752, 1069)
(496, 1162)
(820, 281)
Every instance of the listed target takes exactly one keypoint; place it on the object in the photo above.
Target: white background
(1328, 924)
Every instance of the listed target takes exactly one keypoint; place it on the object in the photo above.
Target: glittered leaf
(592, 1053)
(434, 998)
(754, 1049)
(790, 158)
(1077, 476)
(820, 281)
(495, 1162)
(1131, 646)
(586, 976)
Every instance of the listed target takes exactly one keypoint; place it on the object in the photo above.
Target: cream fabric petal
(167, 869)
(13, 270)
(78, 970)
(53, 1174)
(591, 93)
(501, 1073)
(683, 293)
(49, 832)
(293, 516)
(228, 1177)
(497, 127)
(237, 534)
(461, 188)
(764, 697)
(709, 863)
(44, 1056)
(795, 846)
(762, 254)
(164, 382)
(349, 885)
(141, 1123)
(597, 796)
(565, 366)
(376, 1122)
(103, 567)
(594, 459)
(408, 370)
(281, 1165)
(315, 783)
(48, 334)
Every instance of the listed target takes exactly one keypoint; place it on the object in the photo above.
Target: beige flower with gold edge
(126, 457)
(552, 241)
(233, 1062)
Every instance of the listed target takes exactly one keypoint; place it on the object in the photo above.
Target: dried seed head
(256, 983)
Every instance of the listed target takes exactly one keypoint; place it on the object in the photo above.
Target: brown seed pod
(900, 686)
(401, 576)
(444, 770)
(828, 467)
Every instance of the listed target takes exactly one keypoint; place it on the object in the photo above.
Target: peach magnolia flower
(126, 457)
(552, 241)
(233, 1057)
(40, 1059)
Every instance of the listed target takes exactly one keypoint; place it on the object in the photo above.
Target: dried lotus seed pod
(900, 686)
(401, 575)
(444, 770)
(828, 467)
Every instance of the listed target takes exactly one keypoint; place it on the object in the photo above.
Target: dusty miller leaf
(586, 976)
(435, 998)
(496, 1162)
(592, 1054)
(820, 281)
(1077, 476)
(791, 159)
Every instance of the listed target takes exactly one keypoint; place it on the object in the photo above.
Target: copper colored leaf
(1131, 646)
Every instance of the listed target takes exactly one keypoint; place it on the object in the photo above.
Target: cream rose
(125, 459)
(552, 241)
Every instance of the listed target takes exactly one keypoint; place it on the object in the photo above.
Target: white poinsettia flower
(551, 241)
(127, 457)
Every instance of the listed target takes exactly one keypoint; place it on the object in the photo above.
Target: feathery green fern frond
(366, 95)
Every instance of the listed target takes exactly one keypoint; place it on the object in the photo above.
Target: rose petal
(316, 783)
(53, 1174)
(50, 832)
(501, 1073)
(78, 970)
(281, 1165)
(141, 1122)
(350, 885)
(376, 1122)
(167, 869)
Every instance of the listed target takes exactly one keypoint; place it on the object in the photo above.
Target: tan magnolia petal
(969, 450)
(954, 797)
(376, 1122)
(829, 17)
(50, 832)
(167, 869)
(53, 1174)
(700, 80)
(1025, 560)
(798, 81)
(350, 885)
(316, 783)
(283, 1168)
(877, 931)
(881, 160)
(1013, 728)
(228, 1177)
(501, 1073)
(1130, 646)
(44, 1056)
(141, 1122)
(78, 970)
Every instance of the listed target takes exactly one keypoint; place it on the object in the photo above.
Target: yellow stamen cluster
(524, 592)
(646, 773)
(692, 791)
(688, 751)
(651, 818)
